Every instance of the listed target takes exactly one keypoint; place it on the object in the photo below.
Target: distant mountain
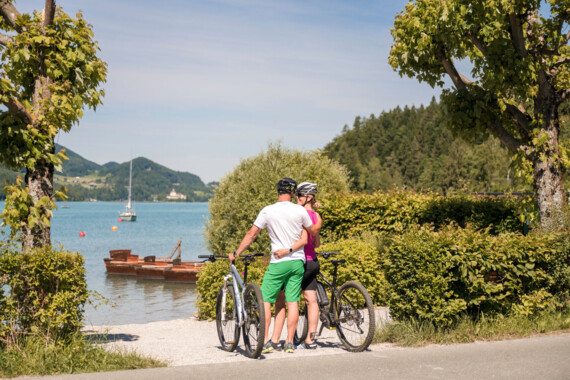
(86, 180)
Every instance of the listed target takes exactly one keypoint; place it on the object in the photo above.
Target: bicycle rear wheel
(226, 319)
(254, 324)
(302, 326)
(354, 316)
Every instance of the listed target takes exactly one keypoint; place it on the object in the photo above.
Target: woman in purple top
(306, 192)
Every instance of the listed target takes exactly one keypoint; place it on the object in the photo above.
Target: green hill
(86, 180)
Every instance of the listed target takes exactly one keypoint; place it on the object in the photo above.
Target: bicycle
(350, 310)
(239, 305)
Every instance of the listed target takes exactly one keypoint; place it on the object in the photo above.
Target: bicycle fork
(237, 299)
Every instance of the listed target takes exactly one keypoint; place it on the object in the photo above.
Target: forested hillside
(411, 147)
(87, 180)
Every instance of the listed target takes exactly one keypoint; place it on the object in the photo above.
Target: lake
(156, 231)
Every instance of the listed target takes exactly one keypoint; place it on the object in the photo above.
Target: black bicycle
(240, 305)
(350, 310)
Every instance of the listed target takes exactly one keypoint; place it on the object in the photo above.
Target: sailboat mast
(130, 184)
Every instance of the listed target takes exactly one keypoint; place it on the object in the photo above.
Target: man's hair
(286, 186)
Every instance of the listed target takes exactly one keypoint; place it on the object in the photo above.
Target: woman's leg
(312, 313)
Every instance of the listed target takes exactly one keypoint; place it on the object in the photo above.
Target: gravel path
(190, 341)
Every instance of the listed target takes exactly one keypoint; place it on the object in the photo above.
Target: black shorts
(312, 267)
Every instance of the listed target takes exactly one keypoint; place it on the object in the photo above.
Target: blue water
(156, 231)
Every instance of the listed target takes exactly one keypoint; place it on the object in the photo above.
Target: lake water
(156, 231)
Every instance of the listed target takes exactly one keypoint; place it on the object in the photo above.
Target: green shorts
(288, 273)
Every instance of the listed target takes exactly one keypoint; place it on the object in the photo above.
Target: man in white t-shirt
(285, 223)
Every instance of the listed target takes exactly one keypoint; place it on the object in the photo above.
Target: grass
(34, 357)
(420, 333)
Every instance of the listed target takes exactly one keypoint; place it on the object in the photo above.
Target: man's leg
(279, 318)
(292, 318)
(267, 307)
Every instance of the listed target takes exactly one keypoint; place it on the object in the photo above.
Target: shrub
(346, 215)
(242, 194)
(363, 264)
(438, 275)
(46, 293)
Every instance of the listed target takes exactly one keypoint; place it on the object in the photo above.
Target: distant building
(174, 196)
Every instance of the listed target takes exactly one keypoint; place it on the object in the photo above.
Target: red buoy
(119, 220)
(82, 234)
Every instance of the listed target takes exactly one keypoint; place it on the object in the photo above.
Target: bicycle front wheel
(226, 319)
(302, 327)
(354, 316)
(254, 323)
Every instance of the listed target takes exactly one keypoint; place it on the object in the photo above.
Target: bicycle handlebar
(249, 257)
(326, 255)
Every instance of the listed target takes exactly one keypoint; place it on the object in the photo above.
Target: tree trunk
(39, 181)
(548, 174)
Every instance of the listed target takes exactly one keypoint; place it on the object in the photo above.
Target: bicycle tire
(302, 327)
(354, 316)
(254, 323)
(228, 329)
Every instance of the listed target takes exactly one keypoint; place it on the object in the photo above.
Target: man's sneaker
(270, 346)
(307, 346)
(289, 348)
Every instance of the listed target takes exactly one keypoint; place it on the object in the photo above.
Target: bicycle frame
(239, 287)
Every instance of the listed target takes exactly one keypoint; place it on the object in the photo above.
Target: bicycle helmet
(286, 186)
(307, 188)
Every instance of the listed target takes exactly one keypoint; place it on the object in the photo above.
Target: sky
(197, 86)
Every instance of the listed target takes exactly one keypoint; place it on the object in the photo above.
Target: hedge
(439, 275)
(43, 293)
(345, 215)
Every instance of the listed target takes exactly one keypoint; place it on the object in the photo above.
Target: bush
(346, 215)
(251, 186)
(46, 293)
(436, 276)
(363, 264)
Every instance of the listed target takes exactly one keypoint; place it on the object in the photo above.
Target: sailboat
(129, 215)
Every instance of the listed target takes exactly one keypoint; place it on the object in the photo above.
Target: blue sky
(198, 85)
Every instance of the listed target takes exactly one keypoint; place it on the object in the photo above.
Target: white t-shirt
(284, 222)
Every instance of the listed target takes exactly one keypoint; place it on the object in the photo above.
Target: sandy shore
(190, 341)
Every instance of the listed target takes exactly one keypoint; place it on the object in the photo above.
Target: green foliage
(346, 215)
(46, 293)
(32, 356)
(363, 264)
(437, 276)
(518, 83)
(50, 74)
(211, 278)
(414, 332)
(251, 186)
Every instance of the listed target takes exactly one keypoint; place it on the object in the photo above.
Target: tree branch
(517, 35)
(510, 142)
(19, 110)
(478, 44)
(5, 39)
(521, 119)
(458, 79)
(48, 13)
(10, 13)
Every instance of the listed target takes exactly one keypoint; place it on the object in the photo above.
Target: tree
(242, 193)
(518, 54)
(49, 72)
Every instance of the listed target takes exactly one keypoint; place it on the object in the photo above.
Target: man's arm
(246, 241)
(296, 245)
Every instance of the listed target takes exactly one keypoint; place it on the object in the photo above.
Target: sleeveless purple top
(310, 253)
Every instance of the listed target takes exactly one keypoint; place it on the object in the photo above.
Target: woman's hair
(314, 203)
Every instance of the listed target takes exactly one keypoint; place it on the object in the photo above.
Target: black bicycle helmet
(286, 186)
(307, 188)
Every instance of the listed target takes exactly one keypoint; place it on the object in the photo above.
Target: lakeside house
(174, 196)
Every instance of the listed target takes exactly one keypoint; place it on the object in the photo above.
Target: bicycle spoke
(226, 319)
(355, 316)
(254, 324)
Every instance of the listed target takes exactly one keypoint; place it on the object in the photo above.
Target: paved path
(545, 357)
